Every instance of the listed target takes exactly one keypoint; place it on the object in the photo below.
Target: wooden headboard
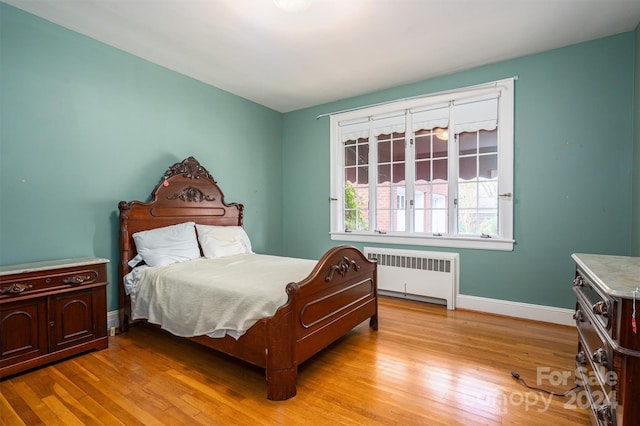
(186, 193)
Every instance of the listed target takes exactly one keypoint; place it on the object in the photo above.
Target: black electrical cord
(521, 380)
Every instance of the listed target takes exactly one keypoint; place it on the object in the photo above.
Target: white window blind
(476, 114)
(388, 125)
(353, 130)
(435, 116)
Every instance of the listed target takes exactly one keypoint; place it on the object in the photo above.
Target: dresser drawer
(595, 347)
(12, 286)
(601, 306)
(601, 397)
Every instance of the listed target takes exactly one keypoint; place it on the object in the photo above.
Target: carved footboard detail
(321, 309)
(338, 295)
(342, 267)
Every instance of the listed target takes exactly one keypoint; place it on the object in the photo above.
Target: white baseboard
(516, 309)
(113, 320)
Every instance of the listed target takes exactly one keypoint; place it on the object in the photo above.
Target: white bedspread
(214, 296)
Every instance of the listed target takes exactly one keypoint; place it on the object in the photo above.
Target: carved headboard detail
(188, 168)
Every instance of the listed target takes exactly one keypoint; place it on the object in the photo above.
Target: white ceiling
(334, 49)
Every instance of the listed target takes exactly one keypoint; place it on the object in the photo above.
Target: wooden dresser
(51, 310)
(608, 357)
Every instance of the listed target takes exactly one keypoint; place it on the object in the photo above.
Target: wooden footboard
(339, 294)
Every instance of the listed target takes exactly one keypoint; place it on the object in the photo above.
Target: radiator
(419, 275)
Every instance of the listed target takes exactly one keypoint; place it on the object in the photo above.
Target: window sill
(422, 240)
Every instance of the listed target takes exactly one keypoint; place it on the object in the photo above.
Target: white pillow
(167, 245)
(222, 241)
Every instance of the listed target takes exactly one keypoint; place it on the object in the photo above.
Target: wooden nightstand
(51, 310)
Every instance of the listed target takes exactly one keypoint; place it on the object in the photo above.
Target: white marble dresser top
(617, 275)
(50, 264)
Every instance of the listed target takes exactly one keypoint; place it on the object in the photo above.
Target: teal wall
(573, 165)
(84, 126)
(635, 230)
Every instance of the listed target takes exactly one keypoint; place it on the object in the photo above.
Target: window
(434, 170)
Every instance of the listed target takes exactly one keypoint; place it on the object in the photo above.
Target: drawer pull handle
(600, 357)
(581, 358)
(605, 413)
(15, 288)
(600, 308)
(578, 316)
(578, 282)
(77, 279)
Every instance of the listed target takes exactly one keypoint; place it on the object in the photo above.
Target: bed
(339, 293)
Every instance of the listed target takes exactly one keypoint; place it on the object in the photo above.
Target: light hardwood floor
(425, 365)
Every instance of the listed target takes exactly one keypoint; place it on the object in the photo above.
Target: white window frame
(503, 241)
